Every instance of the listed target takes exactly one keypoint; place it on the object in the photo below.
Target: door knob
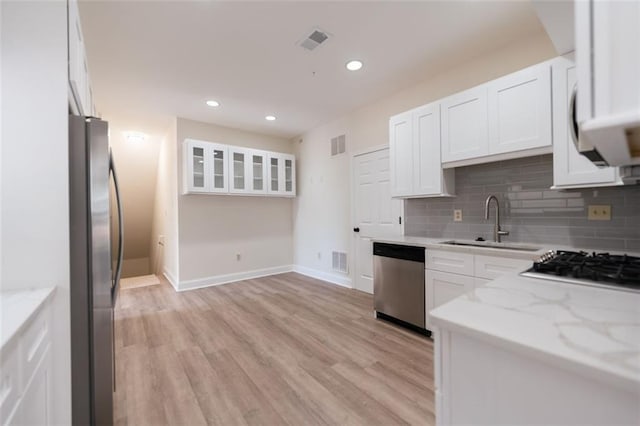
(356, 229)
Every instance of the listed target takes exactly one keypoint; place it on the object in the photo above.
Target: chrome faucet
(497, 232)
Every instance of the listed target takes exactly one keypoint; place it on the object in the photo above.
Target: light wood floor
(285, 349)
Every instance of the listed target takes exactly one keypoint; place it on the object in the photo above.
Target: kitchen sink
(489, 244)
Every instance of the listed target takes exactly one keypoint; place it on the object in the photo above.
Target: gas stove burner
(603, 269)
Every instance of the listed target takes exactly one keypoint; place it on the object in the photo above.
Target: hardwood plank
(284, 349)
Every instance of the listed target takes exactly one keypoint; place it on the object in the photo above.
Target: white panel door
(427, 169)
(569, 167)
(520, 110)
(465, 125)
(376, 213)
(401, 154)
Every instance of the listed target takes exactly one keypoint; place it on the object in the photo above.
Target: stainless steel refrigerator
(94, 279)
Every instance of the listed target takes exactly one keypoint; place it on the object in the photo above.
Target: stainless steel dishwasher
(398, 285)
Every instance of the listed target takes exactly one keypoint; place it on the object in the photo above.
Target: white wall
(214, 228)
(35, 203)
(165, 220)
(322, 216)
(322, 211)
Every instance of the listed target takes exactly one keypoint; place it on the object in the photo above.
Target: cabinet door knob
(356, 229)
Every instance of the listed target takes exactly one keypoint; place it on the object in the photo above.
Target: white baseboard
(341, 280)
(229, 278)
(172, 280)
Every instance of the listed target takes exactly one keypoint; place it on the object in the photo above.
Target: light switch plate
(457, 215)
(599, 212)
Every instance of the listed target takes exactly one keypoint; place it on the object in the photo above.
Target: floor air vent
(339, 262)
(338, 145)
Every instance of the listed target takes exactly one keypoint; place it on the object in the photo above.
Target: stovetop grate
(618, 270)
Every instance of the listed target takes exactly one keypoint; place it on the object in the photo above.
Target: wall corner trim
(230, 278)
(329, 277)
(172, 280)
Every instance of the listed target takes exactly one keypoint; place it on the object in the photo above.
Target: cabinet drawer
(491, 267)
(10, 381)
(34, 342)
(449, 261)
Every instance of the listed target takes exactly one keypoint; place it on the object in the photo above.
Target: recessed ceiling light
(213, 103)
(354, 65)
(135, 137)
(270, 117)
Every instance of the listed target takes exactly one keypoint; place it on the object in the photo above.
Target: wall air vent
(313, 40)
(338, 145)
(339, 262)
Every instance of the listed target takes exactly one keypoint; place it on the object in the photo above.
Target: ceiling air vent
(338, 145)
(313, 40)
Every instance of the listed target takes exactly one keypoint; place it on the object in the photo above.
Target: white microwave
(607, 108)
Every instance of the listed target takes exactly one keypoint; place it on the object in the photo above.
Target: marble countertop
(17, 307)
(592, 329)
(436, 244)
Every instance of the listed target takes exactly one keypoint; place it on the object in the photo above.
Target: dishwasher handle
(397, 251)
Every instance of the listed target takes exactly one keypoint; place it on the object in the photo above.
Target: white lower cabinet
(449, 274)
(479, 382)
(442, 287)
(492, 267)
(25, 373)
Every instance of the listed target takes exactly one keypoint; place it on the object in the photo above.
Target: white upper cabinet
(401, 154)
(240, 169)
(81, 95)
(197, 165)
(281, 174)
(571, 169)
(520, 110)
(416, 170)
(428, 176)
(506, 118)
(212, 168)
(465, 131)
(217, 156)
(258, 164)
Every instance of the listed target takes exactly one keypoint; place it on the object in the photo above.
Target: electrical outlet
(602, 212)
(457, 215)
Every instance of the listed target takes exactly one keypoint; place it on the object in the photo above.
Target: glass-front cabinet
(225, 169)
(239, 168)
(258, 171)
(218, 155)
(197, 164)
(282, 172)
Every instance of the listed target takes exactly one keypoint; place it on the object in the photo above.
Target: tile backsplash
(529, 210)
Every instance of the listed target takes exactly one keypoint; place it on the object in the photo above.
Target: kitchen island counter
(539, 336)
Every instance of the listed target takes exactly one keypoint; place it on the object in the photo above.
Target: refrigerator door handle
(116, 283)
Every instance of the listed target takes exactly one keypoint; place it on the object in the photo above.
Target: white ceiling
(154, 60)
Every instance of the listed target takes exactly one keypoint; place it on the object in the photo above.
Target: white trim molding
(230, 278)
(341, 280)
(172, 280)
